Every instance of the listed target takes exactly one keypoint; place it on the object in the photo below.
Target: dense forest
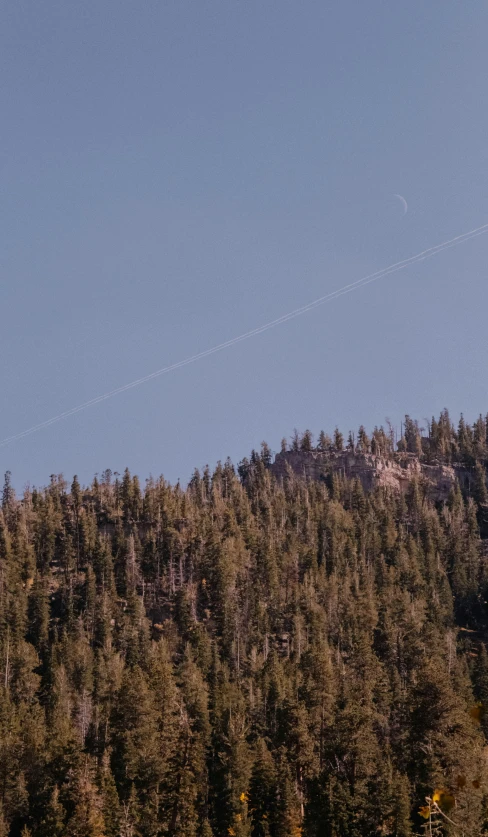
(248, 657)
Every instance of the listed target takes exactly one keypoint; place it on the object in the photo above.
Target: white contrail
(366, 280)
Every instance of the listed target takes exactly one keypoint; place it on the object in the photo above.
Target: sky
(176, 173)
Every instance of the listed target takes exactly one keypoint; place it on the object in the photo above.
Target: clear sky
(175, 173)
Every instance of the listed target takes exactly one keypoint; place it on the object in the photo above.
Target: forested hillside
(247, 657)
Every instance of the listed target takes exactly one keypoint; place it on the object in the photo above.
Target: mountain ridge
(394, 472)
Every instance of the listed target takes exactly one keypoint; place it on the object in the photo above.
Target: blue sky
(176, 173)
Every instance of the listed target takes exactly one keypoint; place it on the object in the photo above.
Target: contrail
(297, 312)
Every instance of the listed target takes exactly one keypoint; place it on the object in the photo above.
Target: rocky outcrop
(395, 473)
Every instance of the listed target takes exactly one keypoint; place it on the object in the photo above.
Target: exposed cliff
(395, 473)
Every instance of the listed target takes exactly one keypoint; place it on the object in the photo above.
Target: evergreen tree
(324, 442)
(338, 440)
(53, 822)
(306, 442)
(250, 656)
(412, 436)
(480, 491)
(87, 819)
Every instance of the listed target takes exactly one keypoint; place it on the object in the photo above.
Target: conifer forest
(249, 656)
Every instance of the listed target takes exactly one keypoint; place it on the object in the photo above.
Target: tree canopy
(245, 656)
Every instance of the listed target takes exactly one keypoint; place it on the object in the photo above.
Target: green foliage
(248, 657)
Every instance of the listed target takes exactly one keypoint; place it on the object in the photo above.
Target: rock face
(395, 473)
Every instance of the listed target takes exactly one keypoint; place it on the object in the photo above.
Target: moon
(405, 204)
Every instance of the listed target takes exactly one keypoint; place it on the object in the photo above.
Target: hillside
(292, 648)
(395, 472)
(438, 463)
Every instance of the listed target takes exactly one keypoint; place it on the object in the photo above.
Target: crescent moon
(405, 204)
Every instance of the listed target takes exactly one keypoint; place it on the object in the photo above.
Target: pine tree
(8, 496)
(247, 656)
(480, 491)
(412, 436)
(401, 806)
(206, 830)
(53, 821)
(306, 442)
(266, 455)
(87, 819)
(110, 804)
(4, 830)
(289, 820)
(263, 793)
(363, 440)
(338, 440)
(325, 442)
(38, 614)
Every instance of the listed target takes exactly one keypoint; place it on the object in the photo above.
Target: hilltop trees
(437, 441)
(246, 657)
